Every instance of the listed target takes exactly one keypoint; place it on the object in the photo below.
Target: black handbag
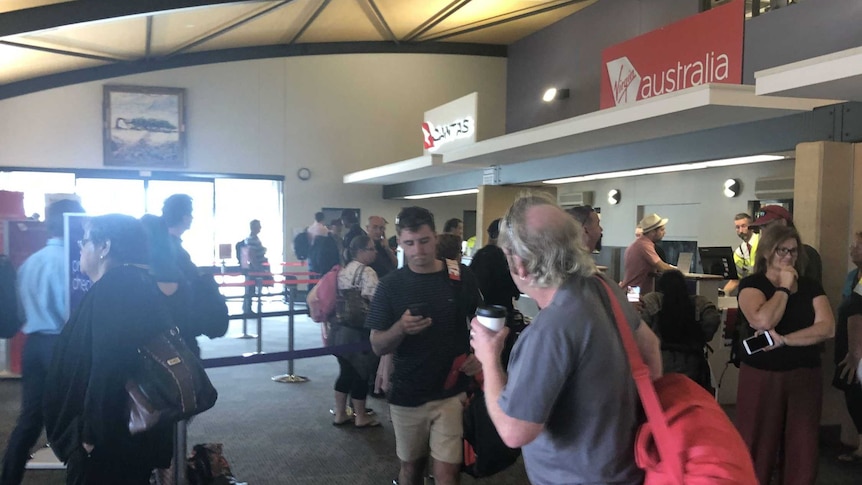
(350, 306)
(484, 452)
(169, 384)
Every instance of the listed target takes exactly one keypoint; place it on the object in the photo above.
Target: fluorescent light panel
(442, 194)
(668, 168)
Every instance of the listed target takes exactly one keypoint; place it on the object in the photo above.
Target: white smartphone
(633, 293)
(757, 343)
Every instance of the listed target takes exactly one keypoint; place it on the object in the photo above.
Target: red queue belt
(269, 282)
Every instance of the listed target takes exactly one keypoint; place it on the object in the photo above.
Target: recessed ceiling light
(668, 168)
(442, 194)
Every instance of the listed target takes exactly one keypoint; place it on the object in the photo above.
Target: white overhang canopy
(698, 108)
(836, 75)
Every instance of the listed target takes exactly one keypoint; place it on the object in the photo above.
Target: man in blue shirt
(43, 297)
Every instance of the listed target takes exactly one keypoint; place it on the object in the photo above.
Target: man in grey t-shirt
(568, 400)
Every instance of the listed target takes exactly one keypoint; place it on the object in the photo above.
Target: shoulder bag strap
(667, 447)
(358, 276)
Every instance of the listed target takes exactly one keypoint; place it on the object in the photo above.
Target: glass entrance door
(198, 240)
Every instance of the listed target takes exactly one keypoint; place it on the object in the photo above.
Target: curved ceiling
(51, 43)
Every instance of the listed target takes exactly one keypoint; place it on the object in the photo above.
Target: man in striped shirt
(420, 314)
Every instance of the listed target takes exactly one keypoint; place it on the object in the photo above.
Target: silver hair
(550, 254)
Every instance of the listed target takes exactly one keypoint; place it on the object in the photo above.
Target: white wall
(333, 114)
(710, 223)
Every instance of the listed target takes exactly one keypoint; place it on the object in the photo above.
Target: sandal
(371, 424)
(342, 423)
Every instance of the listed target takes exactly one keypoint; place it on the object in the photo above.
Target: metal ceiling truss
(51, 50)
(57, 15)
(67, 78)
(149, 42)
(435, 19)
(70, 13)
(499, 20)
(231, 26)
(310, 21)
(377, 18)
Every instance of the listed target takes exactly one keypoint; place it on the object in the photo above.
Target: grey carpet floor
(276, 433)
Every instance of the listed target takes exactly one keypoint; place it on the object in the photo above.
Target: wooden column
(493, 201)
(825, 210)
(822, 196)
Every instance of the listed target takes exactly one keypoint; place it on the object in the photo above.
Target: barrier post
(180, 452)
(290, 377)
(257, 291)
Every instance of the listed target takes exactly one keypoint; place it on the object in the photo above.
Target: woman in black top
(780, 390)
(86, 413)
(848, 345)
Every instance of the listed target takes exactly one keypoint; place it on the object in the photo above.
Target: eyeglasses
(83, 242)
(785, 251)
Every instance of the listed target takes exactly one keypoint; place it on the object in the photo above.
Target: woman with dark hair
(86, 413)
(355, 367)
(780, 389)
(684, 324)
(449, 246)
(454, 226)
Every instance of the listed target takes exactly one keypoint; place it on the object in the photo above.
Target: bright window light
(668, 168)
(442, 194)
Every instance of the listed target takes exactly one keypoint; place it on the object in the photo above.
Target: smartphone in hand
(757, 343)
(418, 309)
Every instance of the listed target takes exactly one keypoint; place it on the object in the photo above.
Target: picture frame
(144, 126)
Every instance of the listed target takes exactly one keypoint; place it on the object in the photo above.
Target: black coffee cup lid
(491, 311)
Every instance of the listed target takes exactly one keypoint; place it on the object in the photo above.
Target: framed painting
(144, 127)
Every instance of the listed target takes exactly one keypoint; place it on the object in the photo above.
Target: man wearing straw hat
(641, 260)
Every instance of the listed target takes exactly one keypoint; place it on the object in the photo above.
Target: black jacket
(85, 396)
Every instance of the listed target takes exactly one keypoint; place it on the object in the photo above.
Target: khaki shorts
(436, 424)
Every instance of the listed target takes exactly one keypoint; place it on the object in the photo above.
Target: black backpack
(10, 319)
(301, 245)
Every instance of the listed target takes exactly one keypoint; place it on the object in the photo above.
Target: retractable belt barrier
(258, 279)
(289, 355)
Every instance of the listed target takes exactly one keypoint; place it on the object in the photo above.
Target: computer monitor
(718, 261)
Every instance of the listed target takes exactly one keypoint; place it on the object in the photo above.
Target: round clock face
(303, 173)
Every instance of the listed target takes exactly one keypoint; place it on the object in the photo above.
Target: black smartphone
(418, 309)
(757, 343)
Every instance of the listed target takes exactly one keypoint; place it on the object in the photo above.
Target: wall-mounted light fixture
(614, 196)
(731, 188)
(554, 93)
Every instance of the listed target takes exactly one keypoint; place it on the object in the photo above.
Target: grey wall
(568, 54)
(799, 31)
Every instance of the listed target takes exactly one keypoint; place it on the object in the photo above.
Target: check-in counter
(708, 286)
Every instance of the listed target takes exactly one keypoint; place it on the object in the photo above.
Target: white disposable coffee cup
(492, 316)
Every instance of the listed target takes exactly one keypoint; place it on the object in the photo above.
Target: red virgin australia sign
(704, 48)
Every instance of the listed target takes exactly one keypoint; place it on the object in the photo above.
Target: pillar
(826, 210)
(493, 201)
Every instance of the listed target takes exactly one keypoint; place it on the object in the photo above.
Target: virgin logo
(625, 80)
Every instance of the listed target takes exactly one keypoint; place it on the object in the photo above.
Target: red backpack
(327, 291)
(687, 439)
